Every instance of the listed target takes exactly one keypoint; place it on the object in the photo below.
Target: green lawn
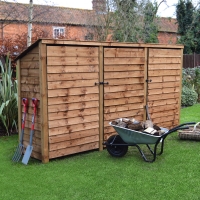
(96, 175)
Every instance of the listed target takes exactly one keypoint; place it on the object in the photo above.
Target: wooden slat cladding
(164, 53)
(67, 76)
(122, 61)
(67, 107)
(124, 95)
(164, 69)
(72, 51)
(123, 68)
(71, 91)
(30, 88)
(72, 99)
(72, 61)
(71, 129)
(72, 149)
(124, 52)
(71, 84)
(62, 69)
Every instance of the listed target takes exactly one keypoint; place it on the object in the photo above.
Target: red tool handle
(34, 102)
(25, 104)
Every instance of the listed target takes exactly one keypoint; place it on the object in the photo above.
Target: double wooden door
(142, 76)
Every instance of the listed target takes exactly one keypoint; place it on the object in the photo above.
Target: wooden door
(164, 71)
(73, 99)
(124, 93)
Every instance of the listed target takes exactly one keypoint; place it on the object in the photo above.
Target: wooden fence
(191, 60)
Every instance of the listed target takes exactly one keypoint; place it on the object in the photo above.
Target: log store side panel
(164, 69)
(29, 88)
(124, 94)
(73, 99)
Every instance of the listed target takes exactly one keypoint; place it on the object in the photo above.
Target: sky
(165, 10)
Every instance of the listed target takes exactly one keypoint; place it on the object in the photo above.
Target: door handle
(148, 80)
(101, 83)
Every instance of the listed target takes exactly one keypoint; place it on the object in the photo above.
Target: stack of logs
(145, 126)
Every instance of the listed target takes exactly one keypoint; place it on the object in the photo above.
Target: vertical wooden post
(101, 99)
(19, 97)
(43, 102)
(145, 82)
(180, 86)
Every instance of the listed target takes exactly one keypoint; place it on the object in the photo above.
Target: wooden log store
(82, 86)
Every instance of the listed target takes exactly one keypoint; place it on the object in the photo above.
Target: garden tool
(29, 148)
(18, 153)
(147, 112)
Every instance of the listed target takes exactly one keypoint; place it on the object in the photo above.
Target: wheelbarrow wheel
(116, 150)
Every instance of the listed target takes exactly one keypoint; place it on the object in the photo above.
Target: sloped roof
(167, 25)
(45, 14)
(18, 12)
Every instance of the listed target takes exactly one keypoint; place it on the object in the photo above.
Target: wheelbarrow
(117, 145)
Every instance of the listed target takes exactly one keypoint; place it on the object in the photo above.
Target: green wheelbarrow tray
(117, 145)
(136, 137)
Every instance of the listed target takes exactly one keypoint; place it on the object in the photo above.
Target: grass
(97, 176)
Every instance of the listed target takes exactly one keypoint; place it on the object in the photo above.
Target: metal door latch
(101, 83)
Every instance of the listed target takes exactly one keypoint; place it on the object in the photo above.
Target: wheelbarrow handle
(179, 127)
(187, 123)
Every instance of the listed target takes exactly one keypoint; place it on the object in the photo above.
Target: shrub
(189, 96)
(191, 79)
(8, 98)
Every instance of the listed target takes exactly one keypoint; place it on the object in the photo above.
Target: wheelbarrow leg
(153, 152)
(161, 148)
(150, 149)
(143, 155)
(156, 146)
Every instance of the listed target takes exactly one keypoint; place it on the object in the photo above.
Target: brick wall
(71, 32)
(167, 38)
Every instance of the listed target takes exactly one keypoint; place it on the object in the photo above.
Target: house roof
(45, 14)
(18, 12)
(167, 25)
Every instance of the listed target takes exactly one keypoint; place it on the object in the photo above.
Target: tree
(30, 18)
(139, 22)
(189, 14)
(180, 16)
(15, 45)
(196, 32)
(150, 31)
(188, 18)
(102, 20)
(11, 11)
(127, 21)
